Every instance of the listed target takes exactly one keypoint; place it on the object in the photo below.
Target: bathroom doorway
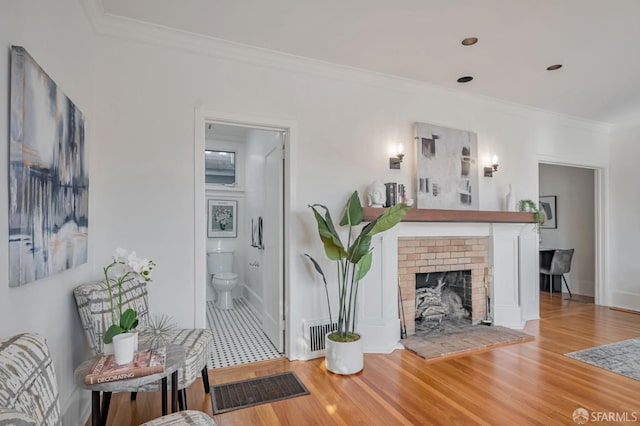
(244, 167)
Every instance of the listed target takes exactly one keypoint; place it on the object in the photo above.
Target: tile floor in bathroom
(237, 336)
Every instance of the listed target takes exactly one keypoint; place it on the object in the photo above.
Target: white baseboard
(624, 300)
(77, 409)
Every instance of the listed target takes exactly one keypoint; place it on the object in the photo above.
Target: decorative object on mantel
(447, 175)
(377, 194)
(549, 211)
(344, 353)
(529, 206)
(48, 176)
(510, 200)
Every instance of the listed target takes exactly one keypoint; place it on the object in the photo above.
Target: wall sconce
(493, 168)
(395, 160)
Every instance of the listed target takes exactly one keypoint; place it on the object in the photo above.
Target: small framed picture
(222, 220)
(547, 205)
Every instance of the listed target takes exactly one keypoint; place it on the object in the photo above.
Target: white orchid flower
(121, 255)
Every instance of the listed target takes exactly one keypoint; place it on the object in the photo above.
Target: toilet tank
(219, 261)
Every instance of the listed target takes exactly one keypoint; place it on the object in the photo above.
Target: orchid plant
(127, 266)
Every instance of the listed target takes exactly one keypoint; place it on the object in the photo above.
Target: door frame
(201, 117)
(600, 212)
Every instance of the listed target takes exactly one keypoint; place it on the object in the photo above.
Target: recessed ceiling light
(465, 79)
(469, 41)
(554, 67)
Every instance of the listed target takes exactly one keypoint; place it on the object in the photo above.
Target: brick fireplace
(420, 255)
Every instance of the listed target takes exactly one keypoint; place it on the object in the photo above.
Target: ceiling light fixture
(465, 79)
(554, 67)
(469, 41)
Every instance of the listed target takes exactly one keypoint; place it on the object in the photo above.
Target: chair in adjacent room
(560, 265)
(92, 300)
(29, 389)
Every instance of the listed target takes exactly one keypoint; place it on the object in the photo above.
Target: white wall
(47, 306)
(624, 228)
(344, 123)
(140, 97)
(574, 189)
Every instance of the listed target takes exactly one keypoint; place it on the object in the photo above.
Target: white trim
(601, 178)
(159, 35)
(206, 116)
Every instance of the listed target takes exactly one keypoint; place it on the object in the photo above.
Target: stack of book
(144, 363)
(396, 193)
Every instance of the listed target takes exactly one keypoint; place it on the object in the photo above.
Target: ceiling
(595, 41)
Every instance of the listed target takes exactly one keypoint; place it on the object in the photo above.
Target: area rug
(261, 390)
(620, 357)
(463, 340)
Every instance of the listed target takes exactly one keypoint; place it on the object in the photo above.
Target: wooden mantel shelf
(429, 215)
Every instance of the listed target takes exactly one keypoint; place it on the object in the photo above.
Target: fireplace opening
(443, 300)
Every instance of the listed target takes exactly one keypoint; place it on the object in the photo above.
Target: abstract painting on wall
(48, 177)
(447, 171)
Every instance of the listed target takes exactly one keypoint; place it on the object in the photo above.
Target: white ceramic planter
(124, 347)
(344, 357)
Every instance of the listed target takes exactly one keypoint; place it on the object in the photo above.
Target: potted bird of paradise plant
(343, 347)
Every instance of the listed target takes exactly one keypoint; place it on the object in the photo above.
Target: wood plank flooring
(528, 383)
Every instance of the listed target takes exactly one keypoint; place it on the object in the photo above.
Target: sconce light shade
(490, 170)
(394, 162)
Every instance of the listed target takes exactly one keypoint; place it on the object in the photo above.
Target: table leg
(164, 396)
(106, 401)
(95, 408)
(174, 391)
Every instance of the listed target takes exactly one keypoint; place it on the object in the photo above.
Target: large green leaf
(387, 220)
(353, 213)
(359, 248)
(318, 268)
(114, 330)
(332, 245)
(129, 319)
(364, 264)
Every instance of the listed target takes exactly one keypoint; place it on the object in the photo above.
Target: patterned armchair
(92, 300)
(29, 390)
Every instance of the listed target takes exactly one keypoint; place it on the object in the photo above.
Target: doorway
(257, 189)
(569, 196)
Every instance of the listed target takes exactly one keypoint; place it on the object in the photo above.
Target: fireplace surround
(511, 257)
(431, 254)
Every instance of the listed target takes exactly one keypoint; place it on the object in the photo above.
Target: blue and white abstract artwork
(48, 178)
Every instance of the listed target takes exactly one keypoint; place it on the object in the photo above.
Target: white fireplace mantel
(513, 254)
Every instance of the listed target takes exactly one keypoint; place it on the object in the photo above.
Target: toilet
(219, 266)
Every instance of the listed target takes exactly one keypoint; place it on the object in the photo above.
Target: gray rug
(620, 357)
(467, 339)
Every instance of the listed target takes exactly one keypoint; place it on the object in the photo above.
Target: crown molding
(162, 36)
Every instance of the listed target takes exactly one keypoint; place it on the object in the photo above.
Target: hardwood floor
(527, 383)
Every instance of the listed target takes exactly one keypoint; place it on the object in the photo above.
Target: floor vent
(314, 332)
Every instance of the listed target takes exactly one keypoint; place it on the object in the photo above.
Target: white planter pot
(124, 347)
(344, 357)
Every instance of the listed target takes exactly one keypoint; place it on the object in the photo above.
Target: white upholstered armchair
(92, 300)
